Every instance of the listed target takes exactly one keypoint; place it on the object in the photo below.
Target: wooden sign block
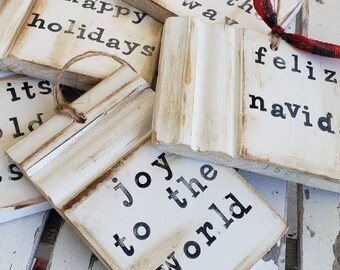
(319, 229)
(70, 253)
(53, 32)
(19, 241)
(236, 102)
(231, 12)
(135, 206)
(26, 103)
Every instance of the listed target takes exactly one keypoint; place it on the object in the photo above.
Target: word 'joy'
(192, 249)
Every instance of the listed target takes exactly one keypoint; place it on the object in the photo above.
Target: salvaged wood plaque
(134, 205)
(238, 103)
(52, 32)
(70, 253)
(25, 104)
(231, 12)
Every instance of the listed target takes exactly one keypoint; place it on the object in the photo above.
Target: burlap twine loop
(275, 37)
(277, 30)
(65, 108)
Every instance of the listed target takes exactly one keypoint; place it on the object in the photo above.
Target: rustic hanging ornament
(135, 206)
(41, 36)
(236, 102)
(63, 107)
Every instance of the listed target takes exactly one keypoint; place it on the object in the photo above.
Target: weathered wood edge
(153, 9)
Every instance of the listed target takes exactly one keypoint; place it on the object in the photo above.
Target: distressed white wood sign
(26, 103)
(135, 206)
(12, 14)
(53, 32)
(319, 229)
(231, 12)
(19, 241)
(236, 102)
(70, 253)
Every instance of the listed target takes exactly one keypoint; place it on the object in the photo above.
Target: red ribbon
(265, 9)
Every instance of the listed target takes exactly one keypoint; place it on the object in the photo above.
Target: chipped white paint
(292, 211)
(70, 253)
(53, 32)
(25, 103)
(319, 229)
(240, 13)
(19, 241)
(320, 210)
(264, 119)
(274, 191)
(111, 173)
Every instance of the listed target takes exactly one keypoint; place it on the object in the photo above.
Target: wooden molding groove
(237, 103)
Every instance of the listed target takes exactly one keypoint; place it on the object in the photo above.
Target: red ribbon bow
(265, 9)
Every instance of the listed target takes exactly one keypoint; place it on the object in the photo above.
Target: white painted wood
(25, 103)
(70, 253)
(53, 32)
(61, 138)
(110, 152)
(319, 229)
(11, 213)
(12, 14)
(19, 241)
(173, 228)
(4, 74)
(247, 118)
(274, 191)
(239, 13)
(319, 20)
(320, 210)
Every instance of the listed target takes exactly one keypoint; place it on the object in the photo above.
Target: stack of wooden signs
(191, 132)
